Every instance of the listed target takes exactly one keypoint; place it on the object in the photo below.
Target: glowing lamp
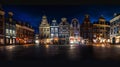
(37, 41)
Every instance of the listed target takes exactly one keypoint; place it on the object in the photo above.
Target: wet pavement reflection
(59, 53)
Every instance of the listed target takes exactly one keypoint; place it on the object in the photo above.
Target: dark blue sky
(33, 14)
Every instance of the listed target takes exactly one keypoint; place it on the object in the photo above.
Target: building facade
(74, 32)
(86, 30)
(101, 31)
(54, 31)
(24, 33)
(115, 29)
(2, 25)
(64, 31)
(10, 30)
(44, 30)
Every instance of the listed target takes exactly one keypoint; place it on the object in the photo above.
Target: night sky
(33, 13)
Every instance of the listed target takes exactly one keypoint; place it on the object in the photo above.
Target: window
(56, 35)
(10, 31)
(56, 29)
(60, 35)
(54, 24)
(111, 31)
(14, 32)
(7, 31)
(52, 30)
(52, 35)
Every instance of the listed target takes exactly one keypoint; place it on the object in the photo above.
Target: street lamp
(108, 40)
(37, 41)
(83, 41)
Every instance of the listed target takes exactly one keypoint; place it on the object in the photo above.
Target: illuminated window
(13, 32)
(56, 29)
(52, 29)
(7, 31)
(10, 31)
(52, 35)
(56, 35)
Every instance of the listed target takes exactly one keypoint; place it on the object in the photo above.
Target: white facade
(115, 30)
(54, 29)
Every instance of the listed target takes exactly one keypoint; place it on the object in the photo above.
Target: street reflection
(102, 45)
(51, 50)
(27, 45)
(102, 53)
(60, 52)
(11, 47)
(47, 46)
(73, 52)
(9, 51)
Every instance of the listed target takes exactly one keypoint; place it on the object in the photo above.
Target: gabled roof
(54, 22)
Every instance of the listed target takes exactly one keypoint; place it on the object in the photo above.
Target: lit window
(56, 35)
(13, 32)
(52, 29)
(56, 29)
(52, 35)
(10, 31)
(7, 31)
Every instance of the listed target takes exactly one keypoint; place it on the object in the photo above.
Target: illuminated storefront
(101, 31)
(74, 40)
(24, 33)
(74, 32)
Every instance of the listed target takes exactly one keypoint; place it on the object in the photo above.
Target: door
(113, 40)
